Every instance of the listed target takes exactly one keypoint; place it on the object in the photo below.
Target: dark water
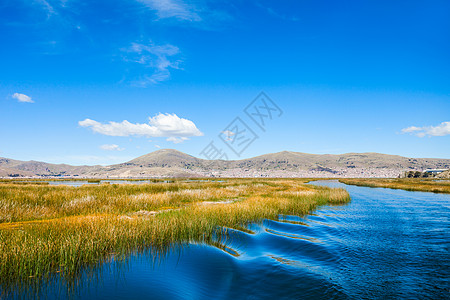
(384, 244)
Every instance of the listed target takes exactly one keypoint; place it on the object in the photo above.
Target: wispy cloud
(228, 135)
(111, 147)
(174, 128)
(159, 58)
(172, 9)
(47, 7)
(22, 98)
(439, 130)
(176, 140)
(275, 14)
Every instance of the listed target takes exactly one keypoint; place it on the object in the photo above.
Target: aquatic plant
(409, 184)
(46, 230)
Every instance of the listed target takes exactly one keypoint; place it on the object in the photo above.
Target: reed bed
(409, 184)
(45, 179)
(46, 230)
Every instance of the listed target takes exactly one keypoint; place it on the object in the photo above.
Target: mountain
(166, 157)
(17, 168)
(161, 163)
(173, 163)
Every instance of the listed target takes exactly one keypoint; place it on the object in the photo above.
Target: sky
(102, 82)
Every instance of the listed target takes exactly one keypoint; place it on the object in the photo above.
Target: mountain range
(173, 163)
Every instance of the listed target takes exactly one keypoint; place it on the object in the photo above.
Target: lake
(384, 244)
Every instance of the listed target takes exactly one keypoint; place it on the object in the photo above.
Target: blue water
(390, 244)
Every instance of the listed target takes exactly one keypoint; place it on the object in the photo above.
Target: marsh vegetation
(408, 184)
(47, 230)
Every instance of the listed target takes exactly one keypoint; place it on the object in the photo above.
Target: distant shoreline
(168, 163)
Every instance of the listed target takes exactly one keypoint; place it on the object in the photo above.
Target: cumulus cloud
(22, 98)
(111, 147)
(159, 58)
(174, 128)
(172, 9)
(439, 130)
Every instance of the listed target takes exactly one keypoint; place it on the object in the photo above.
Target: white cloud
(156, 57)
(171, 126)
(172, 9)
(439, 130)
(157, 146)
(176, 140)
(22, 98)
(228, 134)
(111, 147)
(411, 129)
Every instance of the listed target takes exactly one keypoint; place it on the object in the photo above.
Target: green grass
(409, 184)
(48, 230)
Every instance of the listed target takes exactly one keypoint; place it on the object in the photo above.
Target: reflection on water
(384, 244)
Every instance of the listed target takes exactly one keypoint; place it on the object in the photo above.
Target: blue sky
(100, 82)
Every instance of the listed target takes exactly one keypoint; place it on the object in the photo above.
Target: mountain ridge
(174, 163)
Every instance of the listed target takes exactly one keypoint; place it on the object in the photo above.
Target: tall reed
(49, 229)
(409, 184)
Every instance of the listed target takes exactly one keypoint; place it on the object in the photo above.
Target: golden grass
(409, 184)
(48, 229)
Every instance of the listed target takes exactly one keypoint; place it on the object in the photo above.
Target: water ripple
(384, 244)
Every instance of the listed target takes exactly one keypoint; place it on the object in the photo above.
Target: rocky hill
(17, 168)
(173, 163)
